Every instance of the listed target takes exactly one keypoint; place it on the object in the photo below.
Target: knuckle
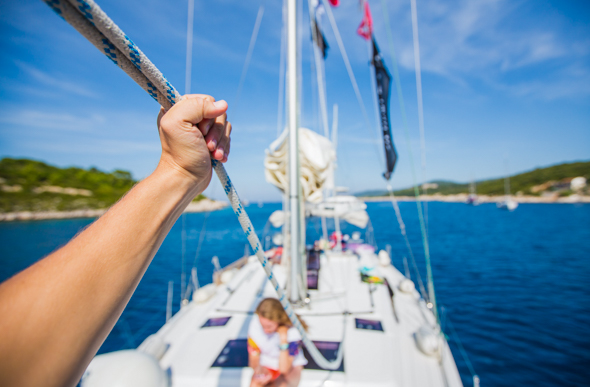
(165, 121)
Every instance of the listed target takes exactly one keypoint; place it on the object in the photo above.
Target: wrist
(284, 346)
(183, 179)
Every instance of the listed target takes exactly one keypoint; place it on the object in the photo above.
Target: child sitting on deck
(274, 347)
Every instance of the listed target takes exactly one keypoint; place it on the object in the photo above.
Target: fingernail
(214, 142)
(219, 104)
(220, 149)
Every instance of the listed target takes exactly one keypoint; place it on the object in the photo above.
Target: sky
(506, 87)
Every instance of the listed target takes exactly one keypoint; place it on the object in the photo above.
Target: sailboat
(472, 198)
(507, 203)
(368, 324)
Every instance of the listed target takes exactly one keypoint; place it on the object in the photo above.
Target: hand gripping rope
(88, 19)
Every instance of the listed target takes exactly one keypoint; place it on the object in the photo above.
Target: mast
(294, 289)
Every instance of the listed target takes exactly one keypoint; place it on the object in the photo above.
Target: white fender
(428, 341)
(129, 368)
(406, 286)
(204, 293)
(384, 259)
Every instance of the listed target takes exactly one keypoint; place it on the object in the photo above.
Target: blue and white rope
(86, 17)
(70, 14)
(92, 12)
(248, 228)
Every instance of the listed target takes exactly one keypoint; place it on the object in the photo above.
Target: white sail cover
(316, 156)
(347, 208)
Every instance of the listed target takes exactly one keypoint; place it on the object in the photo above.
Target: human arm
(55, 315)
(285, 359)
(253, 360)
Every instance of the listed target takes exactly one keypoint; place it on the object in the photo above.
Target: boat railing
(235, 265)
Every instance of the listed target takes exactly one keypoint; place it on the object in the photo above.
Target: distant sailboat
(472, 198)
(507, 203)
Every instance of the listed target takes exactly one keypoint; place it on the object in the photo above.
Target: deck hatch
(370, 325)
(235, 354)
(216, 322)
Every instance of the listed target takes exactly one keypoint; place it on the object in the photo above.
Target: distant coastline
(203, 205)
(462, 198)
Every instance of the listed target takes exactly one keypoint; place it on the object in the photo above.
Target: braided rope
(88, 19)
(96, 16)
(86, 29)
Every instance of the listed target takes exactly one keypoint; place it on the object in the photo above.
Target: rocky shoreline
(462, 198)
(206, 205)
(200, 206)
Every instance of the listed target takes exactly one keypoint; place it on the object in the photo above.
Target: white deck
(371, 358)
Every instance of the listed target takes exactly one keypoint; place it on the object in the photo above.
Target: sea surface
(513, 284)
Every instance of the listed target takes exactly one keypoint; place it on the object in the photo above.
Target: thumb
(214, 109)
(195, 110)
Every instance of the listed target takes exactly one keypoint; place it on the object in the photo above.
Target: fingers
(226, 152)
(218, 138)
(202, 112)
(194, 109)
(206, 123)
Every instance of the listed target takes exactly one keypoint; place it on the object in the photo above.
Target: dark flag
(383, 82)
(317, 35)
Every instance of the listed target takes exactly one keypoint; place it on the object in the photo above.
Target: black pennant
(320, 40)
(383, 83)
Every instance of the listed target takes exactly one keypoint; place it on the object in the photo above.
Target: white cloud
(38, 119)
(55, 82)
(490, 40)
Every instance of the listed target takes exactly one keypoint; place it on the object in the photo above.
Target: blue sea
(513, 284)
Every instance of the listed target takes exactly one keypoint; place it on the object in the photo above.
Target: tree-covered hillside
(535, 182)
(29, 185)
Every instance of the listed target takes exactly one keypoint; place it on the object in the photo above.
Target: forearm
(66, 304)
(253, 361)
(285, 362)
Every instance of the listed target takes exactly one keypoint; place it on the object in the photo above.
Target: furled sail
(316, 155)
(383, 82)
(348, 208)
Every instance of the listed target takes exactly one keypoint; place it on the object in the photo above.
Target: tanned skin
(55, 315)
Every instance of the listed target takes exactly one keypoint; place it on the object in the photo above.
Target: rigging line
(282, 68)
(189, 46)
(402, 227)
(313, 69)
(101, 21)
(194, 265)
(201, 238)
(461, 348)
(182, 259)
(423, 230)
(253, 39)
(146, 325)
(420, 100)
(126, 329)
(348, 67)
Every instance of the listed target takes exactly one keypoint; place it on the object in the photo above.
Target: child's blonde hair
(272, 309)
